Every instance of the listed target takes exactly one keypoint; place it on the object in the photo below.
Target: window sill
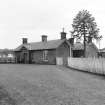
(45, 60)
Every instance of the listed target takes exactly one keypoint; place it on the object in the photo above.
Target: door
(24, 57)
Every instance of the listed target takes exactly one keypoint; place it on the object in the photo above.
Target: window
(45, 55)
(32, 56)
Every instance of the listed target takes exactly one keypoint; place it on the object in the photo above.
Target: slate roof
(102, 50)
(80, 46)
(52, 44)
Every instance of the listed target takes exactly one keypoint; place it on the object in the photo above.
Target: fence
(94, 65)
(7, 60)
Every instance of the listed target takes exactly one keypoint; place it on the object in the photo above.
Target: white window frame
(45, 55)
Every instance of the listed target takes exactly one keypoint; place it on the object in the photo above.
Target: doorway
(25, 57)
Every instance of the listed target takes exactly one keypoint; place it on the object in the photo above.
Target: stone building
(91, 50)
(46, 51)
(43, 52)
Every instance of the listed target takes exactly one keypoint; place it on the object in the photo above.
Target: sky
(33, 18)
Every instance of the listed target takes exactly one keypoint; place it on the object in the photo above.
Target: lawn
(49, 85)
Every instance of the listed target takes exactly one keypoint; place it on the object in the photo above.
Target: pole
(84, 39)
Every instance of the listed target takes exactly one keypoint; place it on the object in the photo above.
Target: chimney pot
(63, 34)
(44, 38)
(24, 40)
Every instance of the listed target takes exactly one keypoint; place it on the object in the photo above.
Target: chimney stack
(44, 38)
(63, 34)
(24, 40)
(71, 41)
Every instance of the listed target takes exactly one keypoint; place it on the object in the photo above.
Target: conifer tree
(85, 28)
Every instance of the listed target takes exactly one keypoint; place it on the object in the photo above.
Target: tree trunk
(84, 34)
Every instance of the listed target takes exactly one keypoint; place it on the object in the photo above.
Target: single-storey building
(44, 52)
(101, 53)
(7, 56)
(91, 50)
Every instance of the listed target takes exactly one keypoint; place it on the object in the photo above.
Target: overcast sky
(33, 18)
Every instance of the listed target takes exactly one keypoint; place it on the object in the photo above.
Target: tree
(85, 28)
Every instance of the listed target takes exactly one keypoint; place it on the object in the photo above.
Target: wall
(52, 56)
(22, 56)
(102, 54)
(91, 51)
(17, 57)
(63, 51)
(37, 57)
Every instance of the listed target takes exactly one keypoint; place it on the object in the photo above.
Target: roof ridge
(51, 44)
(47, 41)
